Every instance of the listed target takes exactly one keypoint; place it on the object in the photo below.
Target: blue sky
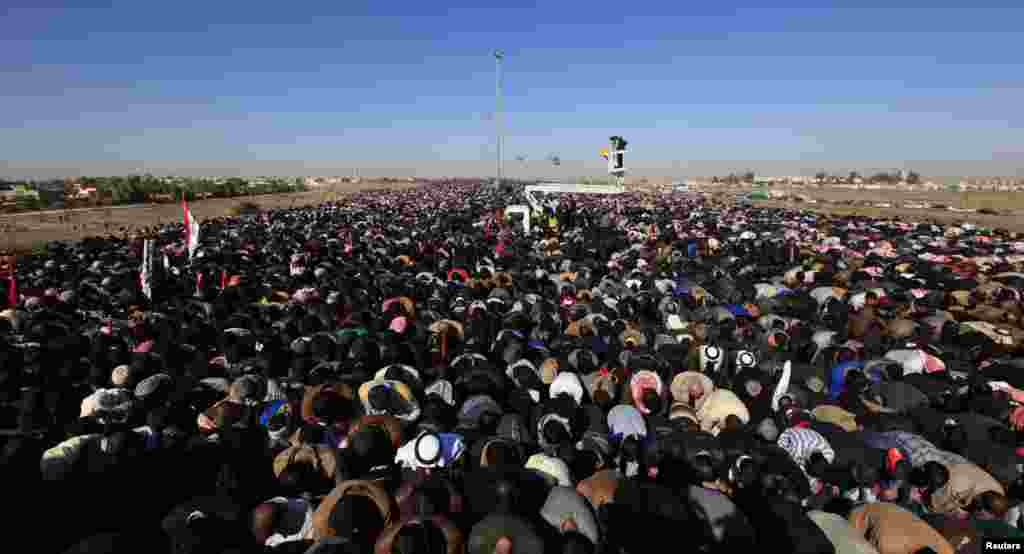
(399, 80)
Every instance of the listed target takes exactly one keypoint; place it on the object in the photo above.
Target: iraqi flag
(191, 230)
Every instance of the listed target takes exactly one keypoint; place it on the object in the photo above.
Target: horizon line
(513, 169)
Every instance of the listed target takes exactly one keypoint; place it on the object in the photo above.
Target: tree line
(139, 189)
(882, 177)
(822, 177)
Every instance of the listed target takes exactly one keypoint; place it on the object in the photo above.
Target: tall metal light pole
(498, 55)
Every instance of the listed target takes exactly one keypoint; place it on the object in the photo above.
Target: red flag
(191, 229)
(199, 282)
(223, 279)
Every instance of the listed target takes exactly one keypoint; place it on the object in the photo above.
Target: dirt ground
(972, 200)
(30, 229)
(1009, 205)
(1010, 222)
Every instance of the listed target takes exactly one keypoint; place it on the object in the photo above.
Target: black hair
(584, 463)
(779, 486)
(433, 496)
(123, 443)
(419, 538)
(489, 421)
(507, 495)
(383, 399)
(931, 476)
(555, 433)
(311, 434)
(630, 449)
(652, 401)
(954, 439)
(856, 381)
(705, 465)
(840, 506)
(864, 476)
(900, 471)
(501, 453)
(343, 469)
(297, 478)
(277, 421)
(817, 465)
(229, 479)
(158, 419)
(744, 472)
(357, 518)
(370, 446)
(1002, 435)
(567, 453)
(434, 410)
(573, 542)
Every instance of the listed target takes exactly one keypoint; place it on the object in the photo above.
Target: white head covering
(568, 383)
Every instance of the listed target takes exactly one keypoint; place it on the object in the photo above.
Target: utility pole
(498, 56)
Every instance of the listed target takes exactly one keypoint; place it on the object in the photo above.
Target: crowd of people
(410, 372)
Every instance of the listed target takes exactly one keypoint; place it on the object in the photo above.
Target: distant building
(7, 192)
(79, 192)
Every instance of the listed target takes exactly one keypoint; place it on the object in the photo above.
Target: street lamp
(498, 56)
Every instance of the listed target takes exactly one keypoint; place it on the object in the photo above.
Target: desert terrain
(28, 230)
(1008, 207)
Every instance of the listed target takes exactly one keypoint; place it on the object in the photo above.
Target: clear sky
(385, 82)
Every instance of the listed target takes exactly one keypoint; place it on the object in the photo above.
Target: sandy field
(1009, 206)
(1010, 222)
(31, 229)
(974, 200)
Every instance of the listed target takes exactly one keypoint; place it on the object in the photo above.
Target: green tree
(28, 202)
